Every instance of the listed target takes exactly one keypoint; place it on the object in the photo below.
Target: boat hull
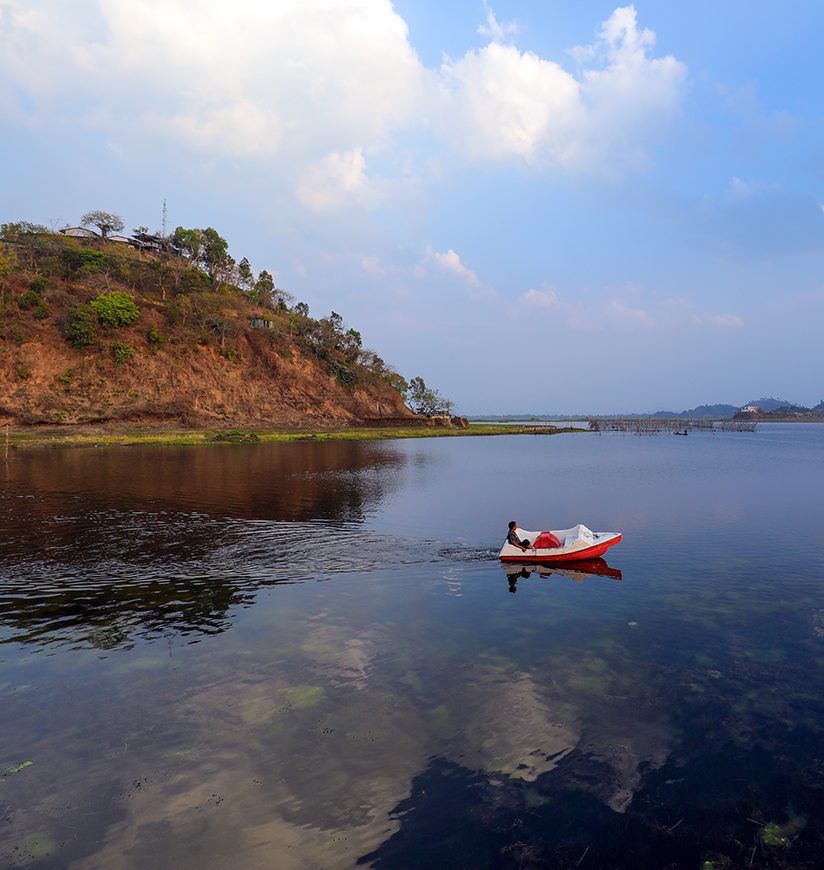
(603, 541)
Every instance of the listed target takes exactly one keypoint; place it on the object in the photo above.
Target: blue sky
(546, 207)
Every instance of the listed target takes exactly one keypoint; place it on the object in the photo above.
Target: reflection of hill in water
(100, 544)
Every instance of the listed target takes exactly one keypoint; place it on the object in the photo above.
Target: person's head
(513, 525)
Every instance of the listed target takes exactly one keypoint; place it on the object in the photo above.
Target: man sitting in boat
(512, 537)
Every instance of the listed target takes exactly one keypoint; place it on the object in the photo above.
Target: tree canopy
(105, 221)
(424, 400)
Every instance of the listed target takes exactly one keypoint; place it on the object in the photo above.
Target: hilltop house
(79, 233)
(149, 242)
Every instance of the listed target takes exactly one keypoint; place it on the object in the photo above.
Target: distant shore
(76, 436)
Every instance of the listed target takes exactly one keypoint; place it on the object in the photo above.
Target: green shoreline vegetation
(194, 438)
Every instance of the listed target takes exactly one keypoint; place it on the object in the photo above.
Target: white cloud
(629, 314)
(451, 262)
(292, 77)
(610, 310)
(497, 31)
(371, 266)
(540, 298)
(327, 184)
(723, 321)
(590, 314)
(304, 89)
(499, 102)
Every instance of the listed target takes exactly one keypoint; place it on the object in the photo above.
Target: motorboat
(560, 545)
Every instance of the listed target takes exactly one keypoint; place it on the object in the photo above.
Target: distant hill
(95, 331)
(770, 404)
(702, 412)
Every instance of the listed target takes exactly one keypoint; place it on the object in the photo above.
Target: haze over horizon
(543, 206)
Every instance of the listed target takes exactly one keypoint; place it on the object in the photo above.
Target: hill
(702, 412)
(769, 404)
(97, 331)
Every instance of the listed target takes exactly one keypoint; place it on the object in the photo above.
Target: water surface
(308, 655)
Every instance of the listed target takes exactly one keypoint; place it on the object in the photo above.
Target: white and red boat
(560, 545)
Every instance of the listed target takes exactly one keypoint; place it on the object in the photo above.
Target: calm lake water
(308, 655)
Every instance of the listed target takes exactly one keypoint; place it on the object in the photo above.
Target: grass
(76, 437)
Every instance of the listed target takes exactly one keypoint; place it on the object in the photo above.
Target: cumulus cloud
(308, 89)
(328, 183)
(498, 102)
(451, 262)
(296, 76)
(497, 31)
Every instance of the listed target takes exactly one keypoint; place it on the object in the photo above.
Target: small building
(260, 323)
(751, 409)
(122, 240)
(148, 242)
(79, 233)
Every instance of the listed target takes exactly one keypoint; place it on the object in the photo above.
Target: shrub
(23, 373)
(91, 259)
(194, 281)
(42, 311)
(29, 299)
(80, 327)
(342, 372)
(39, 285)
(115, 309)
(86, 259)
(122, 352)
(154, 338)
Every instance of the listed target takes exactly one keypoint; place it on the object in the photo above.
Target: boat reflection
(575, 571)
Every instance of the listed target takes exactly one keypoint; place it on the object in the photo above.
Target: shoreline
(77, 437)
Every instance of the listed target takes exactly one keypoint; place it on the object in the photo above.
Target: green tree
(352, 344)
(105, 221)
(13, 232)
(216, 257)
(264, 286)
(424, 400)
(245, 274)
(190, 242)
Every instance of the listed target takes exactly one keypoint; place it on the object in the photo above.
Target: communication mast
(164, 217)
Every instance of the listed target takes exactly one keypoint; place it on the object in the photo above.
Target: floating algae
(301, 697)
(774, 834)
(10, 771)
(33, 848)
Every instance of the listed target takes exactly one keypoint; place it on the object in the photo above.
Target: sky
(537, 206)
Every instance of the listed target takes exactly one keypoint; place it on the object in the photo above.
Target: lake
(308, 655)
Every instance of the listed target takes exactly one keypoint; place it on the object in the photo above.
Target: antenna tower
(164, 217)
